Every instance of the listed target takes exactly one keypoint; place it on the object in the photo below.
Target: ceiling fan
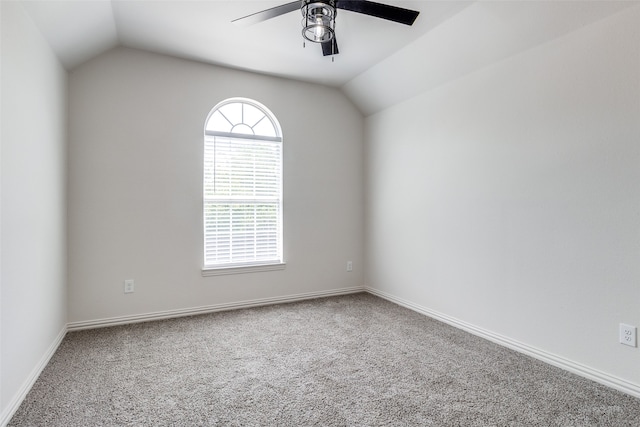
(319, 17)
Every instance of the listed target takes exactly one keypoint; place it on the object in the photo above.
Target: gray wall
(509, 199)
(135, 193)
(33, 218)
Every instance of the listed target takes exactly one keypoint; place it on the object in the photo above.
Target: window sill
(240, 269)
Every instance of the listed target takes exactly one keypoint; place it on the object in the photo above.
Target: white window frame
(278, 262)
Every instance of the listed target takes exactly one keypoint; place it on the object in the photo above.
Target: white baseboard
(159, 315)
(552, 359)
(31, 379)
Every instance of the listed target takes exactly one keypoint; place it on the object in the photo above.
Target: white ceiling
(380, 62)
(478, 36)
(202, 30)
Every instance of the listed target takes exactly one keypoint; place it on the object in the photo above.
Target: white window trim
(243, 136)
(240, 269)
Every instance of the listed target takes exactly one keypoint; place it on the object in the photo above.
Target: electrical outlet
(128, 286)
(628, 335)
(349, 266)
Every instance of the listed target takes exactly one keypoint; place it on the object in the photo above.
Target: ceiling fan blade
(268, 13)
(379, 10)
(330, 47)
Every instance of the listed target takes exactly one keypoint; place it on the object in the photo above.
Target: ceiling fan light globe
(317, 33)
(318, 21)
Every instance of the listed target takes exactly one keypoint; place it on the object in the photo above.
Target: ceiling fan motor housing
(318, 23)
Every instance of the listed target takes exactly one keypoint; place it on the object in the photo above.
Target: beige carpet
(354, 360)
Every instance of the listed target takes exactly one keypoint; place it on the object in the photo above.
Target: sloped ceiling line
(380, 63)
(480, 35)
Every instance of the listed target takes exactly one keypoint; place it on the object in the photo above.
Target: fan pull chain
(333, 44)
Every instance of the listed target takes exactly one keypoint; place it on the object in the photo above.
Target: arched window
(242, 186)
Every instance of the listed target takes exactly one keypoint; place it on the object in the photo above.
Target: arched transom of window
(242, 118)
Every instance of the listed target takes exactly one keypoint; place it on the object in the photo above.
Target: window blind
(242, 201)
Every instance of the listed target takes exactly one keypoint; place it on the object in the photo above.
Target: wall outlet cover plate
(628, 335)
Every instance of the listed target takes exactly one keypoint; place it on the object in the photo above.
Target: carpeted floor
(353, 360)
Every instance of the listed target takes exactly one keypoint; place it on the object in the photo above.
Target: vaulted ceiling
(380, 62)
